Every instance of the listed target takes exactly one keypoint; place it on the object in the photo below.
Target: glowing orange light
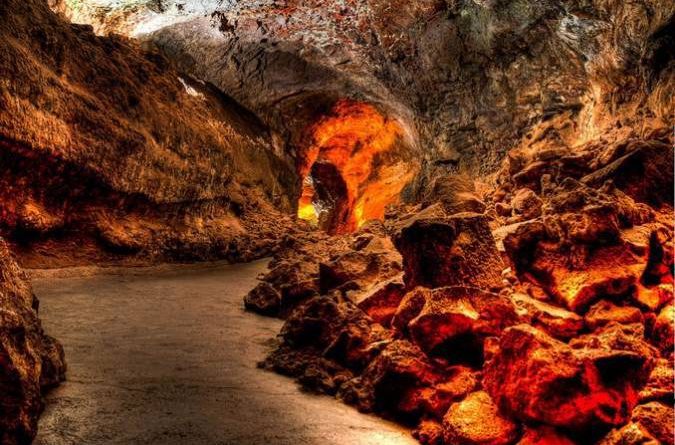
(351, 138)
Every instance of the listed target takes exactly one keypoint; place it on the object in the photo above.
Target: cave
(317, 221)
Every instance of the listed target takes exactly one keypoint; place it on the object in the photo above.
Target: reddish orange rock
(477, 421)
(451, 321)
(558, 322)
(446, 251)
(537, 378)
(653, 298)
(605, 312)
(544, 436)
(663, 329)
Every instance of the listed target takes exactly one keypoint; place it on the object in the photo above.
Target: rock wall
(108, 153)
(30, 361)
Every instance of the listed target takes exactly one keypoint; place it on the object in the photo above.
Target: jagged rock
(263, 299)
(359, 270)
(630, 434)
(556, 321)
(640, 172)
(660, 383)
(382, 300)
(451, 322)
(605, 312)
(657, 419)
(477, 421)
(544, 436)
(653, 298)
(526, 203)
(456, 194)
(446, 251)
(392, 381)
(534, 377)
(30, 360)
(607, 272)
(429, 432)
(663, 329)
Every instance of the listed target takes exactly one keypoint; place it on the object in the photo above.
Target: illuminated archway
(352, 169)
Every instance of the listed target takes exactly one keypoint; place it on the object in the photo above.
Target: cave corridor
(363, 222)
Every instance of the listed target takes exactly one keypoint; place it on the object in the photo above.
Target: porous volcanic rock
(476, 421)
(30, 361)
(445, 251)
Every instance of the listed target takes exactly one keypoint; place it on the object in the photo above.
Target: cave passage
(167, 356)
(352, 169)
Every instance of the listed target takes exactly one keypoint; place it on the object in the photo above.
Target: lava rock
(556, 321)
(657, 419)
(663, 330)
(476, 421)
(451, 322)
(446, 251)
(605, 312)
(544, 435)
(30, 360)
(263, 299)
(537, 378)
(526, 203)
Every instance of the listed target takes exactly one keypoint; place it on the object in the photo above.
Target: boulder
(657, 419)
(630, 434)
(30, 361)
(263, 299)
(536, 378)
(604, 312)
(660, 383)
(451, 322)
(381, 301)
(544, 435)
(455, 193)
(663, 330)
(476, 421)
(556, 321)
(393, 381)
(446, 251)
(526, 203)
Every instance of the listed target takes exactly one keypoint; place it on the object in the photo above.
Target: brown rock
(556, 321)
(663, 330)
(630, 434)
(653, 298)
(30, 361)
(381, 301)
(445, 251)
(477, 421)
(544, 435)
(429, 432)
(458, 381)
(451, 322)
(534, 377)
(660, 383)
(604, 312)
(393, 381)
(526, 203)
(657, 419)
(456, 194)
(263, 299)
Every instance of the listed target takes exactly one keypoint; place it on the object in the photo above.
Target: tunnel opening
(354, 167)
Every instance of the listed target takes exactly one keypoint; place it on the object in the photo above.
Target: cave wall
(107, 150)
(470, 79)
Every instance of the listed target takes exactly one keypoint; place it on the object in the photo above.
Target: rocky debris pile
(30, 361)
(542, 317)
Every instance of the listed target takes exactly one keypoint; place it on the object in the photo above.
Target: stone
(451, 322)
(392, 381)
(382, 300)
(30, 361)
(630, 434)
(653, 298)
(263, 299)
(659, 386)
(476, 421)
(604, 312)
(526, 203)
(429, 432)
(544, 435)
(556, 321)
(663, 330)
(456, 194)
(536, 378)
(657, 419)
(607, 272)
(445, 251)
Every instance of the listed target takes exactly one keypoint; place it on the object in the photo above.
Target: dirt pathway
(168, 356)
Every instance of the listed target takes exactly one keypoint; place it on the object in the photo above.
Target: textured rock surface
(30, 361)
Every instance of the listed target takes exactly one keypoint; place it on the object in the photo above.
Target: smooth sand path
(168, 356)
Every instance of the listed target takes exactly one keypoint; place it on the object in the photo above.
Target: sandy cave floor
(168, 355)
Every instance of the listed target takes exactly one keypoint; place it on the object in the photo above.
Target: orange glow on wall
(352, 138)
